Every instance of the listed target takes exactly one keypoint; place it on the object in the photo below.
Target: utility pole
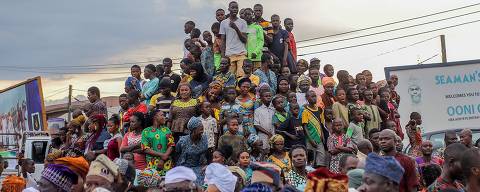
(444, 49)
(69, 102)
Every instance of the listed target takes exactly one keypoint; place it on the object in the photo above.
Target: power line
(56, 93)
(387, 24)
(404, 47)
(94, 65)
(387, 31)
(385, 40)
(100, 91)
(71, 68)
(68, 73)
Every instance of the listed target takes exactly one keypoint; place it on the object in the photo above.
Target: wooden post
(69, 103)
(444, 49)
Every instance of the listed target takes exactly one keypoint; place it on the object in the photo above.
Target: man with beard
(451, 171)
(426, 158)
(388, 142)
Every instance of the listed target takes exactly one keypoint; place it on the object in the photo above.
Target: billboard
(21, 109)
(447, 95)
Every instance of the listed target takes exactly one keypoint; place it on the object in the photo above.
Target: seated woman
(132, 140)
(158, 144)
(192, 149)
(278, 155)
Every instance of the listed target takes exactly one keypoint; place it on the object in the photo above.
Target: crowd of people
(246, 114)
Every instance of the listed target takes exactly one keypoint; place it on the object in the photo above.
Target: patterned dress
(159, 140)
(180, 114)
(296, 180)
(285, 163)
(193, 155)
(333, 141)
(246, 110)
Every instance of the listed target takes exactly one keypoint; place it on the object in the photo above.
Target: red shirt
(140, 108)
(292, 45)
(410, 177)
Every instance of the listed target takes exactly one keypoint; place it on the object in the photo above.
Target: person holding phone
(414, 134)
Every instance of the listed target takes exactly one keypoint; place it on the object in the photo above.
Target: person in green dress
(158, 144)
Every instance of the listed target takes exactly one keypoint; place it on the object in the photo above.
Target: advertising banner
(21, 109)
(447, 95)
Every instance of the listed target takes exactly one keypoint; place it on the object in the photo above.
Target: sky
(97, 39)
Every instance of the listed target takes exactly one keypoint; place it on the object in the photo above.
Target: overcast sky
(48, 37)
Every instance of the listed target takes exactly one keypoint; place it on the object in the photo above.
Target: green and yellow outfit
(159, 140)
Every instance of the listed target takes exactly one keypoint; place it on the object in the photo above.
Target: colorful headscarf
(322, 180)
(385, 166)
(275, 138)
(328, 80)
(77, 164)
(301, 79)
(217, 85)
(13, 183)
(100, 119)
(60, 175)
(79, 121)
(194, 123)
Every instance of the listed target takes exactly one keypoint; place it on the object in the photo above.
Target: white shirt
(263, 118)
(233, 45)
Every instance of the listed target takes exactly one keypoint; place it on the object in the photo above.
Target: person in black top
(292, 129)
(167, 72)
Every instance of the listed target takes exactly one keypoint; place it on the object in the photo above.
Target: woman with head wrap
(200, 80)
(181, 110)
(303, 83)
(79, 166)
(327, 98)
(192, 149)
(256, 149)
(213, 95)
(158, 144)
(57, 178)
(13, 183)
(98, 136)
(75, 132)
(219, 178)
(132, 140)
(278, 155)
(181, 178)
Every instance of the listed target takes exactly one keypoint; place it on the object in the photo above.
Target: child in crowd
(328, 115)
(414, 133)
(338, 145)
(285, 72)
(314, 75)
(356, 127)
(280, 114)
(388, 111)
(292, 98)
(328, 70)
(225, 76)
(292, 129)
(303, 83)
(339, 108)
(248, 70)
(209, 123)
(372, 110)
(229, 107)
(316, 133)
(163, 100)
(360, 79)
(263, 118)
(217, 43)
(293, 78)
(232, 138)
